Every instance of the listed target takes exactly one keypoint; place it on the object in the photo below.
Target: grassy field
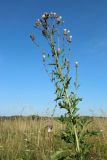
(29, 138)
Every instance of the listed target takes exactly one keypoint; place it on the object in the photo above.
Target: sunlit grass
(28, 138)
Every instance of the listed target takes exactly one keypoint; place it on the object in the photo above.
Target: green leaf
(56, 155)
(93, 133)
(67, 83)
(62, 155)
(52, 64)
(57, 98)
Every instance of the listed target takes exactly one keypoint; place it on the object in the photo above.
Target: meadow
(37, 138)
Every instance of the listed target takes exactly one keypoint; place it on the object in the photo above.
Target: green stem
(77, 140)
(76, 80)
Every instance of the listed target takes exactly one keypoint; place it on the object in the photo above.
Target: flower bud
(44, 56)
(32, 37)
(58, 50)
(76, 64)
(60, 17)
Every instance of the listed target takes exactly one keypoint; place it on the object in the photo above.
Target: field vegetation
(29, 138)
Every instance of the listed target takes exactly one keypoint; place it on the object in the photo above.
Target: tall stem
(75, 129)
(76, 78)
(76, 139)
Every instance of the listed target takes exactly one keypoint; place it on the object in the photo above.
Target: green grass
(27, 138)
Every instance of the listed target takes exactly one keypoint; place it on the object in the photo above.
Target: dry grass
(25, 138)
(28, 139)
(100, 141)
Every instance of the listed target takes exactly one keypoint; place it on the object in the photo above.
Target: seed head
(65, 31)
(68, 31)
(101, 130)
(59, 18)
(37, 23)
(51, 14)
(43, 16)
(70, 39)
(54, 14)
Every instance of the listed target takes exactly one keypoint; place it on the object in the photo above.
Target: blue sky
(24, 86)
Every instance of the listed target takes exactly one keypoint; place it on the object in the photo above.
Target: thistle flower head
(43, 16)
(46, 14)
(59, 18)
(70, 39)
(51, 14)
(65, 31)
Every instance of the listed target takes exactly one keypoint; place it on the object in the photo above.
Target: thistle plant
(57, 65)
